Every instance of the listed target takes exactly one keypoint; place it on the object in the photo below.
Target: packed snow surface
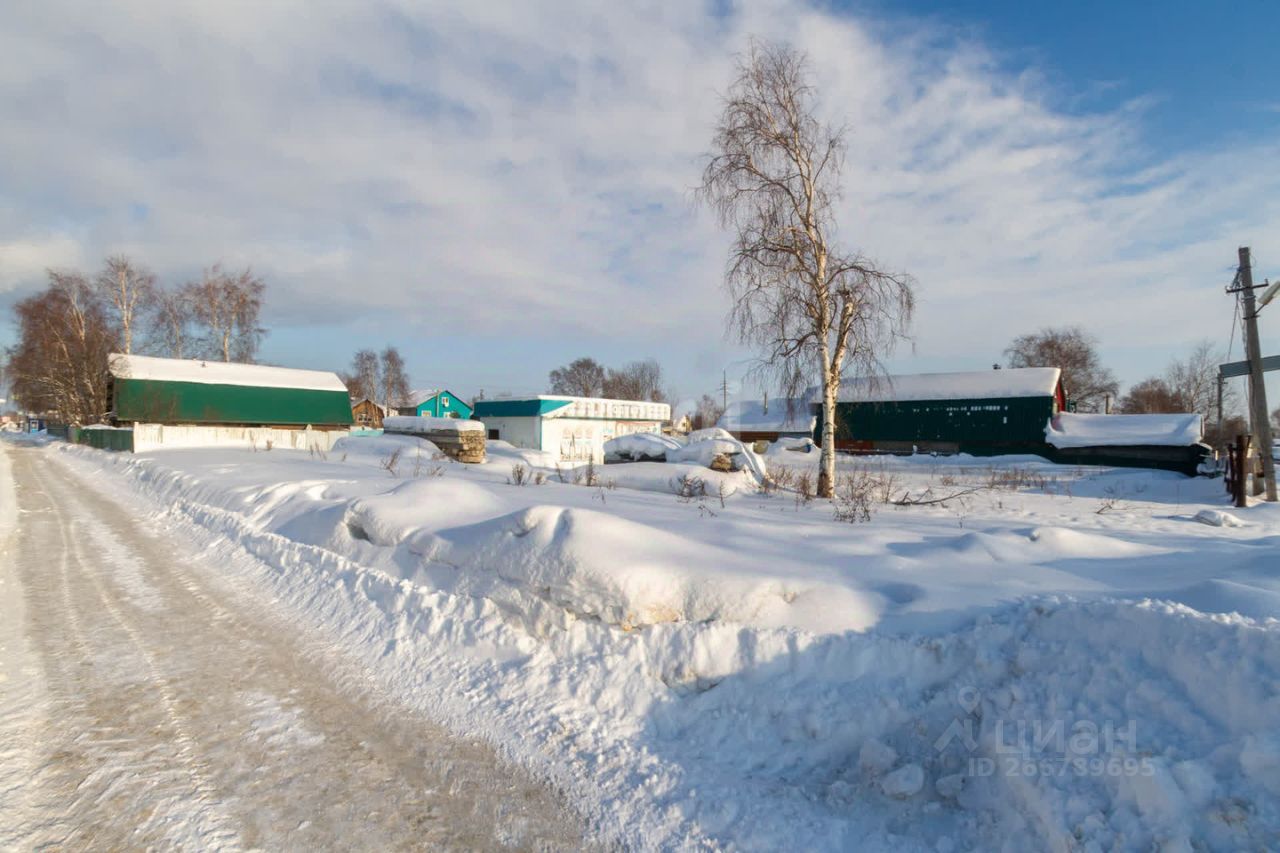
(221, 373)
(971, 385)
(1055, 657)
(1068, 429)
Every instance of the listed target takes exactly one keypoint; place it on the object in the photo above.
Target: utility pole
(1222, 382)
(1257, 386)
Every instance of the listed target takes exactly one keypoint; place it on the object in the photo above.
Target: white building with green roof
(573, 429)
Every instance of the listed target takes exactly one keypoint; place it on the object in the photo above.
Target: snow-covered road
(145, 704)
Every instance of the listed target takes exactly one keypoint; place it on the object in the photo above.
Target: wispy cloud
(507, 167)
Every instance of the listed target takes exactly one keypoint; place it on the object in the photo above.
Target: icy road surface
(144, 704)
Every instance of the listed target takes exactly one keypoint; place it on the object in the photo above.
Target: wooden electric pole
(1257, 386)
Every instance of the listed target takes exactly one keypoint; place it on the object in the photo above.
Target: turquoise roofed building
(435, 403)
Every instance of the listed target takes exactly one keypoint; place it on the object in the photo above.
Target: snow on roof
(418, 396)
(970, 385)
(751, 416)
(221, 373)
(567, 398)
(1068, 429)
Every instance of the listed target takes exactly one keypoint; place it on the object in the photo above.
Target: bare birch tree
(811, 306)
(59, 364)
(171, 319)
(226, 305)
(395, 381)
(128, 290)
(365, 379)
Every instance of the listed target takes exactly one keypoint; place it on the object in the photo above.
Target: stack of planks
(458, 439)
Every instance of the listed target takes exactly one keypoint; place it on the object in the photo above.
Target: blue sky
(1210, 71)
(497, 188)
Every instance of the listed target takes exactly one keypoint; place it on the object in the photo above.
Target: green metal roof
(528, 407)
(159, 401)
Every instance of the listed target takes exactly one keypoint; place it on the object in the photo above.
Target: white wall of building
(581, 440)
(519, 431)
(575, 434)
(166, 436)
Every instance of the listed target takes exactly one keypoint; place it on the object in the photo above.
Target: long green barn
(982, 412)
(212, 393)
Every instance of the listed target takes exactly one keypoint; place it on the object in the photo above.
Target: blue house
(436, 403)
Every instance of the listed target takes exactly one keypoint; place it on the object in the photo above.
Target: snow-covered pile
(791, 445)
(639, 447)
(1068, 429)
(375, 448)
(424, 425)
(706, 451)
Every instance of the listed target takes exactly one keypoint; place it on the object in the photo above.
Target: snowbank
(1068, 429)
(639, 446)
(690, 681)
(705, 451)
(373, 449)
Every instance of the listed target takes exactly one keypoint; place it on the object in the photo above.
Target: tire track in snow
(195, 814)
(293, 747)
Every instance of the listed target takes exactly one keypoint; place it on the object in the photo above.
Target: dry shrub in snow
(854, 495)
(689, 487)
(391, 462)
(804, 488)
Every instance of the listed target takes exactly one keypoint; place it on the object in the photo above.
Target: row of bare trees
(586, 377)
(66, 332)
(382, 379)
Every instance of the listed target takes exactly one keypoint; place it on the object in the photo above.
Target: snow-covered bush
(639, 447)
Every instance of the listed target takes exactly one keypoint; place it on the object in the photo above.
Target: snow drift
(648, 658)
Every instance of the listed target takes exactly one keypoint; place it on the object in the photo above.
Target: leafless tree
(582, 377)
(226, 306)
(59, 364)
(171, 318)
(395, 381)
(1188, 385)
(708, 412)
(639, 380)
(1152, 396)
(364, 382)
(811, 306)
(1195, 380)
(128, 290)
(1074, 351)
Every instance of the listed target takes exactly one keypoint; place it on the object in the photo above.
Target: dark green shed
(983, 412)
(180, 391)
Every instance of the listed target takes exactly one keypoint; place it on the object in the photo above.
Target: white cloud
(508, 167)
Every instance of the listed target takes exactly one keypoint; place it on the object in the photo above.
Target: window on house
(493, 435)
